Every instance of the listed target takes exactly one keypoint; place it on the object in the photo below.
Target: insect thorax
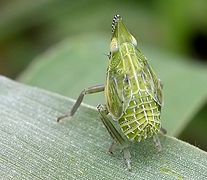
(137, 112)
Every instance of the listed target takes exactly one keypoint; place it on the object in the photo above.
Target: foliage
(35, 146)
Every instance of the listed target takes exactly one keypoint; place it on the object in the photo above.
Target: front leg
(116, 136)
(90, 90)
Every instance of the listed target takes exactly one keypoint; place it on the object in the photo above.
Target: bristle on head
(114, 22)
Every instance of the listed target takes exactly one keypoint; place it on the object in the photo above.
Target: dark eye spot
(109, 55)
(126, 79)
(119, 71)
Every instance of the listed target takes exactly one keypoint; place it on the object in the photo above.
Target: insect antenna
(108, 55)
(114, 22)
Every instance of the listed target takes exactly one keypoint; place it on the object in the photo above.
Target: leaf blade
(34, 145)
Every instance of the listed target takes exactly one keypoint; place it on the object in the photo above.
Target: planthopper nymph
(133, 94)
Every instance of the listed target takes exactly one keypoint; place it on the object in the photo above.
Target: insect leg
(90, 90)
(127, 157)
(157, 143)
(163, 130)
(109, 126)
(112, 147)
(117, 138)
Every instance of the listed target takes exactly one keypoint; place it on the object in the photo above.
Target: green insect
(133, 94)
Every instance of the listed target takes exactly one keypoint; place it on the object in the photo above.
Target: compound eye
(134, 41)
(114, 45)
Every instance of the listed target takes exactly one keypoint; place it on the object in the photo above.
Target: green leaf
(16, 16)
(80, 62)
(195, 132)
(35, 146)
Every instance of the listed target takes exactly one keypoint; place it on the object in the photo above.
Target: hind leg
(156, 139)
(157, 143)
(163, 130)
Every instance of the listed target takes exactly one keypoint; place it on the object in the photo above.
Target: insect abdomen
(141, 119)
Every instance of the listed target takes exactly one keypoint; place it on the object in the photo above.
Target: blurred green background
(28, 29)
